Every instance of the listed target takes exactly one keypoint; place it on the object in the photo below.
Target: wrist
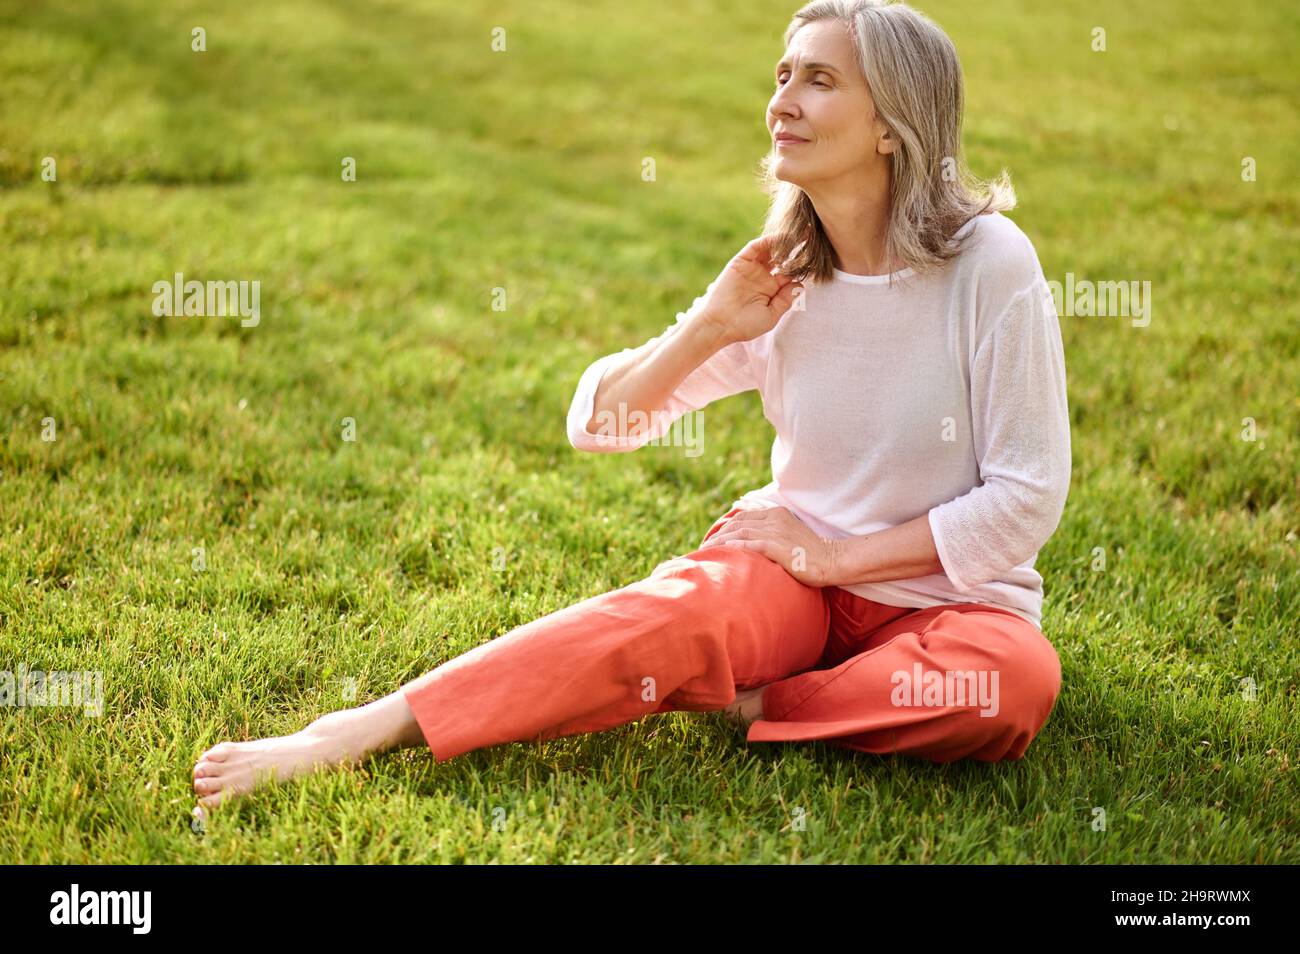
(712, 328)
(834, 572)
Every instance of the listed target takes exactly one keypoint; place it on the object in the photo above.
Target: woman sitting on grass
(880, 593)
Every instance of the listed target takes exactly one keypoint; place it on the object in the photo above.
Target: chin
(786, 174)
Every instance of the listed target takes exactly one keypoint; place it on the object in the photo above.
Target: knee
(721, 577)
(1042, 682)
(1029, 684)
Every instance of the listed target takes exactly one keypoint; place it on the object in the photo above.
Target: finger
(731, 533)
(752, 537)
(784, 298)
(756, 250)
(729, 527)
(747, 518)
(762, 547)
(713, 532)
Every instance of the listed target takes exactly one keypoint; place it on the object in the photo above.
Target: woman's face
(820, 96)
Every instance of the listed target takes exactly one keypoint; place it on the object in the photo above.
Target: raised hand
(750, 295)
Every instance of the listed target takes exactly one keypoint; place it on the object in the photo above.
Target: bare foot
(234, 768)
(747, 706)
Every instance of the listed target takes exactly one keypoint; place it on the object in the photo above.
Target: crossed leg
(942, 683)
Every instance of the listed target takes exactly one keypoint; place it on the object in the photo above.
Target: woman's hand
(783, 538)
(750, 295)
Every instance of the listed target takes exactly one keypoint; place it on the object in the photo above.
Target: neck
(855, 216)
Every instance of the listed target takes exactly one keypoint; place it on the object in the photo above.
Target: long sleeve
(1021, 435)
(729, 371)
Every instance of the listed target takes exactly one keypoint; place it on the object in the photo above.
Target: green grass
(328, 560)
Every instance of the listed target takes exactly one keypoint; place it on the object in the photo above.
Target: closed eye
(779, 84)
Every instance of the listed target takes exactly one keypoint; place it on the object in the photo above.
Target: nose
(783, 104)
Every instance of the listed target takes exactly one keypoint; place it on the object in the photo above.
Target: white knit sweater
(941, 394)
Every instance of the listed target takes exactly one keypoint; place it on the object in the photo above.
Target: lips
(787, 139)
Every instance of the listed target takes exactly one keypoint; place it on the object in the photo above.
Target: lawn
(183, 513)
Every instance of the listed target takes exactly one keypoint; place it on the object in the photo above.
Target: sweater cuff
(949, 568)
(580, 411)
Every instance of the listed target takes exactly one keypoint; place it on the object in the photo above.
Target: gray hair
(911, 68)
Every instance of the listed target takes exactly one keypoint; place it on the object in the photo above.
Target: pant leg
(896, 696)
(686, 637)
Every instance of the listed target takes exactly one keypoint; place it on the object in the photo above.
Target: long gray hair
(911, 68)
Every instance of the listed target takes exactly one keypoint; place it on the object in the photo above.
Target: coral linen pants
(942, 683)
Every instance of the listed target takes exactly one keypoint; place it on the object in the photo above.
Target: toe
(219, 752)
(207, 768)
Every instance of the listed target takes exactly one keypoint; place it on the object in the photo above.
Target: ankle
(339, 734)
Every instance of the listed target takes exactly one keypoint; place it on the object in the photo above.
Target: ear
(887, 143)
